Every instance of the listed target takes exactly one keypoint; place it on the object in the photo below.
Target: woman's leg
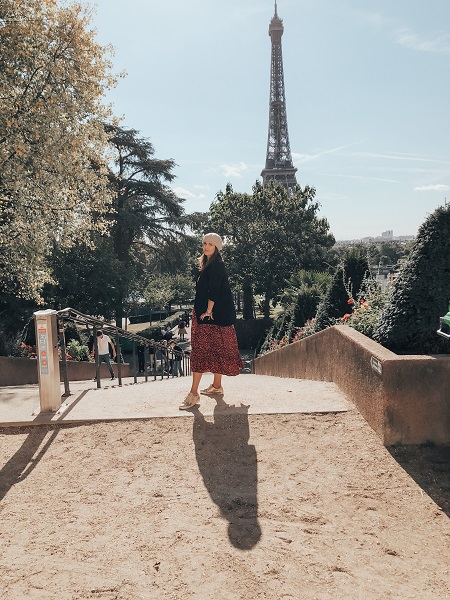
(196, 377)
(217, 382)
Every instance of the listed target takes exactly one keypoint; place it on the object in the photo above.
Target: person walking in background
(104, 342)
(176, 359)
(165, 365)
(151, 355)
(182, 330)
(141, 356)
(213, 337)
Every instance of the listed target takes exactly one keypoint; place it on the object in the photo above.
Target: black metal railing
(163, 360)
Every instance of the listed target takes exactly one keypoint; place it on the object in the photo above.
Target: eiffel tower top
(276, 26)
(279, 167)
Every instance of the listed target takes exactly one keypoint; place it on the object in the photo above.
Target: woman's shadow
(228, 466)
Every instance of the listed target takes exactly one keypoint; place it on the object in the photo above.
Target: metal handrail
(167, 353)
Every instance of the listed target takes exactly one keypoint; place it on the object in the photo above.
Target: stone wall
(22, 371)
(404, 398)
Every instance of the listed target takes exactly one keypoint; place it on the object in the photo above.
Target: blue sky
(367, 94)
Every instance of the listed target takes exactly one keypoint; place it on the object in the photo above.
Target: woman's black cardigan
(212, 283)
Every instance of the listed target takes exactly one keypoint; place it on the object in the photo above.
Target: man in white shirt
(103, 343)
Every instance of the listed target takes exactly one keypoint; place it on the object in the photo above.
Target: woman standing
(213, 338)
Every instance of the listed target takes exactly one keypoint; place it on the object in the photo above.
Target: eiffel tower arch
(279, 167)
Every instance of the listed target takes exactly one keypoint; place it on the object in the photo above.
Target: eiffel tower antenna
(279, 167)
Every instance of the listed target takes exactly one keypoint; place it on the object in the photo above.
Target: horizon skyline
(369, 133)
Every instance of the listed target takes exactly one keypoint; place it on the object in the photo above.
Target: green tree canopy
(53, 147)
(269, 235)
(147, 214)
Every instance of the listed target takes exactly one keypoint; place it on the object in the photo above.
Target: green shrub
(77, 351)
(348, 278)
(300, 300)
(71, 333)
(365, 309)
(420, 293)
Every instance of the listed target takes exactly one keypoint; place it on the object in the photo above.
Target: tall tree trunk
(247, 311)
(119, 315)
(267, 298)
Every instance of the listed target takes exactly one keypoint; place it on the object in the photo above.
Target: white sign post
(48, 360)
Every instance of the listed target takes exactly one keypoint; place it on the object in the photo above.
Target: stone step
(253, 394)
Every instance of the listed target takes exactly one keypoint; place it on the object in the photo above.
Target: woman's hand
(206, 314)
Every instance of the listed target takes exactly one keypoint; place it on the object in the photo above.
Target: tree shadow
(228, 466)
(25, 460)
(429, 466)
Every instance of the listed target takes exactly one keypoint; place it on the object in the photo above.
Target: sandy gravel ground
(229, 506)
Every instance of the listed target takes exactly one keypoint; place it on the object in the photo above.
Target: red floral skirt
(214, 349)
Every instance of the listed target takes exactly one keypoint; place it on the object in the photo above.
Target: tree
(147, 214)
(299, 299)
(347, 280)
(302, 295)
(53, 146)
(86, 278)
(163, 290)
(421, 292)
(269, 235)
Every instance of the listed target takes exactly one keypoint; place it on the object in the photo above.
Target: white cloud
(202, 187)
(302, 158)
(184, 193)
(362, 177)
(404, 36)
(439, 43)
(440, 187)
(233, 170)
(402, 156)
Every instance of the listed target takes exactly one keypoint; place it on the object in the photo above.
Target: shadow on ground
(429, 466)
(27, 457)
(228, 466)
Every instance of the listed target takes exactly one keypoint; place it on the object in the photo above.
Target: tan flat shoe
(190, 401)
(211, 390)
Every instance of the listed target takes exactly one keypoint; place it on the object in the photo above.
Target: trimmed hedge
(421, 292)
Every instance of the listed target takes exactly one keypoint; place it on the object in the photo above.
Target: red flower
(350, 301)
(345, 317)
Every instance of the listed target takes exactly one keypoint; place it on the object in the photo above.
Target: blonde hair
(203, 261)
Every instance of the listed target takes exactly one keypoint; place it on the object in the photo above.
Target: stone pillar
(48, 360)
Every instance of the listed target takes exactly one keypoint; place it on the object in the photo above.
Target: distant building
(386, 236)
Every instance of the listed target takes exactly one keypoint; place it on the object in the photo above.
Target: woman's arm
(208, 312)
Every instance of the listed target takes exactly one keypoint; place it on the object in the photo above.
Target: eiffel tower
(279, 167)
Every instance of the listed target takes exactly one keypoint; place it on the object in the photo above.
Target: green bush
(71, 333)
(300, 300)
(366, 307)
(77, 351)
(347, 280)
(421, 292)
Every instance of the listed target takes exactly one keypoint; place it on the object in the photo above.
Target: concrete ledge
(404, 398)
(23, 371)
